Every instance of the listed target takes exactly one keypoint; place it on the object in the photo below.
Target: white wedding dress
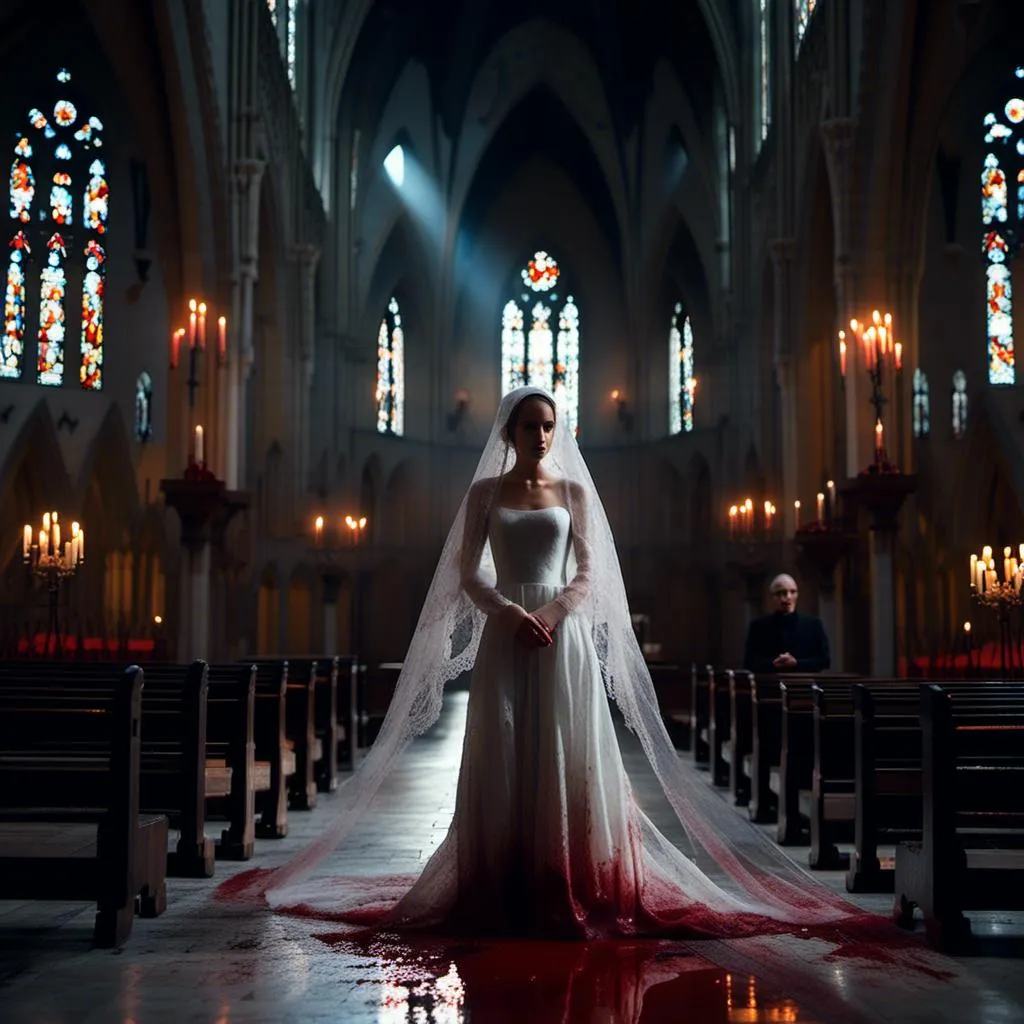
(546, 837)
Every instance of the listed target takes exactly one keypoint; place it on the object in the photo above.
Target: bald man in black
(786, 641)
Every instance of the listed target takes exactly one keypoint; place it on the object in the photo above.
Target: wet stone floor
(210, 961)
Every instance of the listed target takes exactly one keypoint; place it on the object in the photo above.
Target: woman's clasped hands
(531, 630)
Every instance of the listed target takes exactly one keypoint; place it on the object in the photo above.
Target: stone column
(306, 258)
(823, 550)
(783, 252)
(883, 494)
(246, 207)
(332, 588)
(838, 136)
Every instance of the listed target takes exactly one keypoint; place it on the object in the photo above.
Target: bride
(547, 838)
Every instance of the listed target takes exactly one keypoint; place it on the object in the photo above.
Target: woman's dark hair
(508, 432)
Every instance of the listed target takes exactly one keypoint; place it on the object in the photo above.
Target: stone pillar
(838, 137)
(194, 632)
(822, 551)
(883, 494)
(783, 252)
(246, 208)
(306, 258)
(332, 588)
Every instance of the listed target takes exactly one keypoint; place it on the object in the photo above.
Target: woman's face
(534, 430)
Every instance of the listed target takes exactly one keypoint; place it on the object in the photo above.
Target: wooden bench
(673, 686)
(378, 689)
(196, 754)
(737, 752)
(719, 725)
(971, 853)
(70, 827)
(765, 746)
(700, 715)
(271, 746)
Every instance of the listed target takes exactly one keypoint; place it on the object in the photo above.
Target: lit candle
(55, 536)
(842, 353)
(318, 530)
(222, 337)
(1006, 564)
(898, 355)
(821, 507)
(26, 542)
(974, 567)
(830, 487)
(986, 553)
(202, 325)
(199, 443)
(175, 343)
(979, 581)
(768, 509)
(192, 323)
(879, 438)
(796, 512)
(733, 513)
(67, 553)
(750, 515)
(42, 543)
(81, 545)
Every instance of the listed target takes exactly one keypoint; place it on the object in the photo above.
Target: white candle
(26, 541)
(81, 545)
(879, 441)
(796, 513)
(67, 552)
(222, 336)
(55, 536)
(202, 325)
(42, 542)
(1006, 565)
(199, 443)
(821, 507)
(979, 576)
(318, 530)
(974, 567)
(192, 323)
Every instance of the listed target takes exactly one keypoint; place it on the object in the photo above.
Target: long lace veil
(444, 645)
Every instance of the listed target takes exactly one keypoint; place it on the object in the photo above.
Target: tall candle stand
(53, 563)
(988, 591)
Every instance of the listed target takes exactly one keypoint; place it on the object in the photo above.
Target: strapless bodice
(530, 545)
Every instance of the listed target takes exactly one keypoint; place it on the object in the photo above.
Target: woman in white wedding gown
(546, 837)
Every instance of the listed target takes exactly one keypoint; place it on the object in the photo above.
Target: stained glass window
(53, 288)
(922, 418)
(12, 344)
(290, 43)
(959, 404)
(91, 372)
(803, 11)
(143, 408)
(764, 68)
(1002, 221)
(543, 356)
(682, 385)
(55, 153)
(391, 372)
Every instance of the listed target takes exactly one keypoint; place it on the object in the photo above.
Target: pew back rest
(68, 747)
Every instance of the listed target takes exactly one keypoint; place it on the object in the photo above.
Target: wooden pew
(196, 753)
(738, 750)
(719, 724)
(70, 827)
(300, 727)
(351, 672)
(271, 746)
(970, 856)
(765, 746)
(379, 688)
(700, 715)
(673, 685)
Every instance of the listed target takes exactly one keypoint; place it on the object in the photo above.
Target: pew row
(70, 827)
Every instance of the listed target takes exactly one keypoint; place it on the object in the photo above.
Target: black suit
(803, 636)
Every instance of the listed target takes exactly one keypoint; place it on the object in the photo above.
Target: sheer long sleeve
(574, 593)
(482, 593)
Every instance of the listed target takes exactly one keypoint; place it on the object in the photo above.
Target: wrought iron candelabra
(48, 560)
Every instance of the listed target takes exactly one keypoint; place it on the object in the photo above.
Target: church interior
(336, 233)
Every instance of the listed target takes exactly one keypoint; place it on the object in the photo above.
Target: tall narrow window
(1002, 222)
(959, 404)
(143, 408)
(391, 372)
(290, 41)
(682, 385)
(922, 418)
(542, 356)
(764, 68)
(803, 11)
(55, 167)
(12, 344)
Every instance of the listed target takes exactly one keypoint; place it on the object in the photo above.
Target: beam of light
(394, 164)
